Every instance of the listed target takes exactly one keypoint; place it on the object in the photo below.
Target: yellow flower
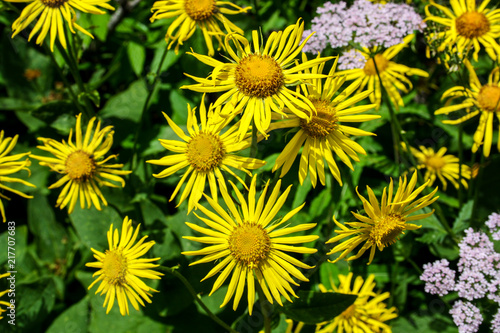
(120, 269)
(466, 26)
(442, 166)
(193, 14)
(392, 74)
(324, 133)
(7, 304)
(368, 313)
(83, 165)
(248, 243)
(256, 82)
(10, 165)
(205, 152)
(385, 222)
(52, 14)
(484, 99)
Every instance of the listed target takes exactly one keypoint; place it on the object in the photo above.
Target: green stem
(146, 106)
(189, 287)
(477, 187)
(460, 163)
(264, 307)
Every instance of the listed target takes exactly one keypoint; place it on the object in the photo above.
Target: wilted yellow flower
(392, 74)
(193, 14)
(120, 269)
(386, 221)
(466, 26)
(257, 82)
(248, 242)
(368, 313)
(324, 135)
(483, 99)
(10, 165)
(83, 165)
(52, 14)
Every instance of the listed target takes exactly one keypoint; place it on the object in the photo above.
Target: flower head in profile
(256, 80)
(324, 135)
(248, 242)
(4, 303)
(10, 164)
(466, 26)
(441, 166)
(484, 100)
(53, 14)
(83, 165)
(385, 221)
(393, 75)
(121, 269)
(205, 152)
(368, 313)
(190, 15)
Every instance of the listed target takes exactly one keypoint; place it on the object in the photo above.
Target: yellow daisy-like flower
(466, 26)
(193, 14)
(385, 222)
(437, 164)
(205, 151)
(120, 269)
(4, 303)
(392, 74)
(10, 165)
(256, 82)
(251, 245)
(52, 14)
(83, 165)
(368, 313)
(324, 133)
(483, 99)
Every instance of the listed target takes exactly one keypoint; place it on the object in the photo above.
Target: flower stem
(189, 287)
(146, 106)
(460, 163)
(478, 186)
(265, 310)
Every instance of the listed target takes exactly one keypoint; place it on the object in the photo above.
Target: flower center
(53, 3)
(200, 10)
(349, 312)
(323, 123)
(114, 267)
(205, 151)
(472, 24)
(381, 63)
(435, 162)
(259, 76)
(387, 230)
(80, 166)
(249, 243)
(489, 98)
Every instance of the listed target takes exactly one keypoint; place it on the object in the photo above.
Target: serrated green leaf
(462, 221)
(313, 307)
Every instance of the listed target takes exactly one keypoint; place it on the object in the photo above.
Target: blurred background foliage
(118, 68)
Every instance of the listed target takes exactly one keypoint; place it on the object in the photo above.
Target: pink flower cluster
(366, 23)
(479, 277)
(493, 224)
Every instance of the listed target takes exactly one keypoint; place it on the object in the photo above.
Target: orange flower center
(472, 24)
(489, 98)
(80, 166)
(259, 76)
(323, 123)
(435, 162)
(205, 151)
(387, 230)
(381, 62)
(53, 3)
(249, 243)
(200, 10)
(114, 267)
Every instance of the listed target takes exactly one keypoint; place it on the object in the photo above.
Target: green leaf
(74, 319)
(137, 57)
(313, 307)
(127, 104)
(21, 236)
(463, 218)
